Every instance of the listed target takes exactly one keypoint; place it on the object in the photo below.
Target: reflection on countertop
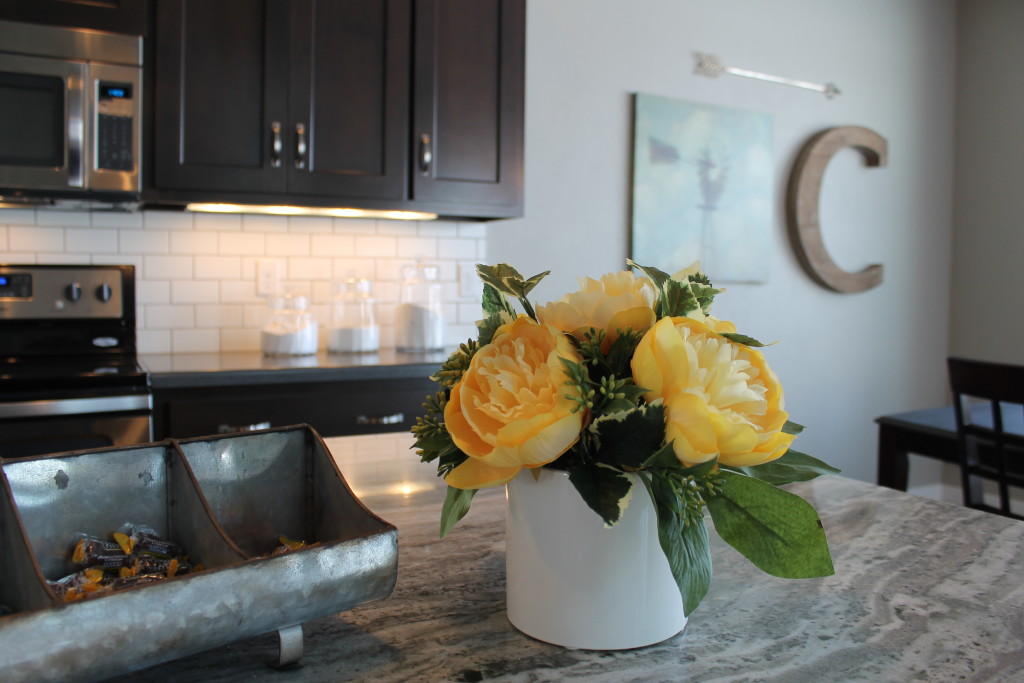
(169, 370)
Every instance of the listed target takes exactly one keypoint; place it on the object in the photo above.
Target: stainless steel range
(69, 376)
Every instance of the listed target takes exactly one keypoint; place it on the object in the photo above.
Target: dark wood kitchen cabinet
(468, 101)
(377, 104)
(333, 408)
(272, 97)
(116, 16)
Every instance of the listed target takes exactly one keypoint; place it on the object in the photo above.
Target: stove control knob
(104, 292)
(73, 292)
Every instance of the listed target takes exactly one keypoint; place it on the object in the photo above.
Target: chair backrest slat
(988, 401)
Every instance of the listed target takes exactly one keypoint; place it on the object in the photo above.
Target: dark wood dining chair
(988, 399)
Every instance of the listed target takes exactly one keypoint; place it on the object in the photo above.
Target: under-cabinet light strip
(311, 211)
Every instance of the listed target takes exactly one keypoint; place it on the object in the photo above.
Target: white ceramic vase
(575, 583)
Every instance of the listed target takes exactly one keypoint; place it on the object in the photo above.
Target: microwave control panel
(115, 114)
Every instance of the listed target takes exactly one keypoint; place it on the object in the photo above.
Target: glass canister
(419, 318)
(354, 327)
(291, 329)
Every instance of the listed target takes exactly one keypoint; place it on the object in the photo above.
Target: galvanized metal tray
(225, 499)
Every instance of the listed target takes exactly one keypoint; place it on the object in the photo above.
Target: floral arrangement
(630, 374)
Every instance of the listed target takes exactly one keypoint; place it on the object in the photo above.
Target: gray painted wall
(843, 359)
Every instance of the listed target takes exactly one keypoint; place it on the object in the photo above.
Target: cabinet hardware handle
(392, 419)
(300, 145)
(275, 144)
(426, 154)
(231, 429)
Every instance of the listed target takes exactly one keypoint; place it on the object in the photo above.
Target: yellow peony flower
(509, 410)
(721, 398)
(615, 302)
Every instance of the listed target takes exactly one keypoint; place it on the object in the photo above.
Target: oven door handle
(75, 406)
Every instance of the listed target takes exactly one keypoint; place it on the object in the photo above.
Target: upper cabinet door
(349, 94)
(116, 16)
(221, 78)
(468, 103)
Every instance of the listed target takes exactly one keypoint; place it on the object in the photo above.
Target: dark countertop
(179, 370)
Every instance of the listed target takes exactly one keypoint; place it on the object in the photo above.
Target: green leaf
(604, 489)
(792, 428)
(665, 457)
(677, 299)
(495, 302)
(508, 280)
(456, 505)
(741, 339)
(629, 438)
(779, 532)
(657, 277)
(488, 326)
(685, 545)
(793, 466)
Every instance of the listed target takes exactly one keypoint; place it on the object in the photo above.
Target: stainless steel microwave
(70, 114)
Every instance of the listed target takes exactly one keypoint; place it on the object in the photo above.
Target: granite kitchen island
(923, 590)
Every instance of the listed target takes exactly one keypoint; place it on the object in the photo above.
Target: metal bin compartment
(47, 500)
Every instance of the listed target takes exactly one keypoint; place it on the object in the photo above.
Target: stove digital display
(15, 286)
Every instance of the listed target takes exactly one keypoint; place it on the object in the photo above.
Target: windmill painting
(702, 188)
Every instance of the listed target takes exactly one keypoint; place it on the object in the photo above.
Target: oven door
(42, 122)
(40, 427)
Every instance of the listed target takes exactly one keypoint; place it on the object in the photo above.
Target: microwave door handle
(75, 103)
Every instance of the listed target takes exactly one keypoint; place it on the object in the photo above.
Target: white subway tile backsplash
(152, 292)
(355, 226)
(457, 248)
(217, 267)
(17, 216)
(167, 220)
(170, 317)
(195, 292)
(35, 239)
(146, 241)
(116, 219)
(194, 242)
(332, 245)
(167, 267)
(418, 247)
(195, 341)
(309, 225)
(219, 316)
(286, 245)
(196, 273)
(257, 223)
(238, 291)
(308, 268)
(345, 268)
(239, 339)
(90, 240)
(153, 341)
(63, 219)
(17, 257)
(474, 230)
(217, 222)
(376, 246)
(62, 259)
(241, 243)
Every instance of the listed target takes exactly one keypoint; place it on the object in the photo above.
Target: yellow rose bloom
(721, 398)
(615, 302)
(509, 410)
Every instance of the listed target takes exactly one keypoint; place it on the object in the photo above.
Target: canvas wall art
(702, 188)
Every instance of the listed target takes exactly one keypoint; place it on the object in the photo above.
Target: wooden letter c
(802, 205)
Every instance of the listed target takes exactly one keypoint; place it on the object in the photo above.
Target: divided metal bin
(225, 500)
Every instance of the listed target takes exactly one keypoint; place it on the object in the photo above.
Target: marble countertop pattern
(923, 590)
